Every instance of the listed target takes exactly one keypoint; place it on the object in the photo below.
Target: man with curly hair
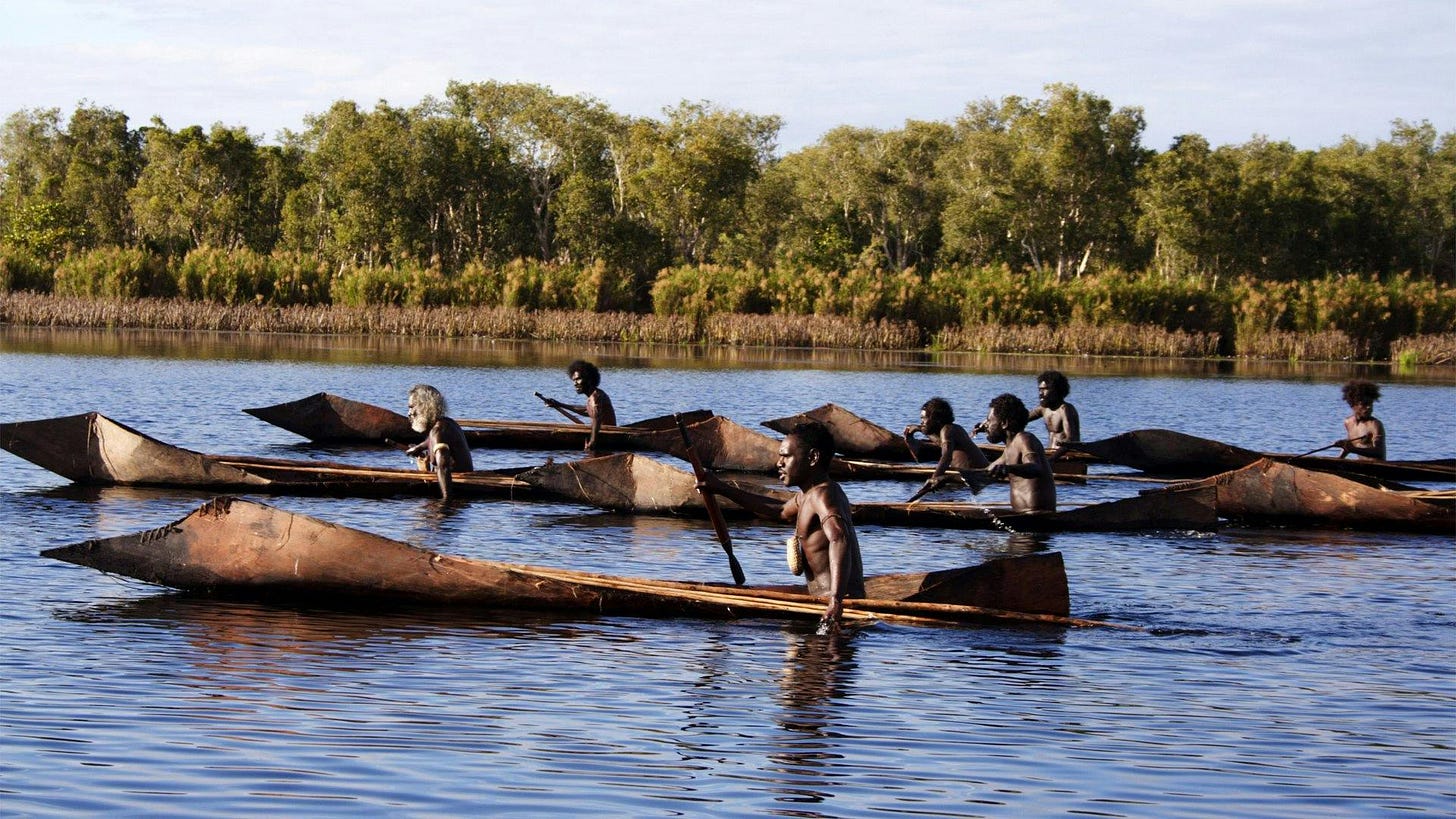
(957, 450)
(1364, 434)
(824, 547)
(1023, 463)
(1063, 425)
(598, 407)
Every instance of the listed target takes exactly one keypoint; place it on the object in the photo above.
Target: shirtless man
(957, 450)
(598, 407)
(444, 449)
(1364, 434)
(1023, 463)
(820, 513)
(1063, 425)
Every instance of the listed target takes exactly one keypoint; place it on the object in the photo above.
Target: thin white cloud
(1228, 69)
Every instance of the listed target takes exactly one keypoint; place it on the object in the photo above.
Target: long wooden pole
(565, 414)
(798, 603)
(1313, 451)
(710, 502)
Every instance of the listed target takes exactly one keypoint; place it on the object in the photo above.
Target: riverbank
(734, 330)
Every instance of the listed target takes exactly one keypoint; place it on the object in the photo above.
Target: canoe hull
(1166, 452)
(327, 418)
(1191, 509)
(94, 449)
(240, 547)
(631, 483)
(853, 435)
(1270, 492)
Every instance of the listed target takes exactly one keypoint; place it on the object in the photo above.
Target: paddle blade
(710, 502)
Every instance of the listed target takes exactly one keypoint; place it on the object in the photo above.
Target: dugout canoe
(726, 445)
(633, 483)
(862, 441)
(1270, 492)
(93, 449)
(1166, 452)
(327, 418)
(242, 548)
(853, 435)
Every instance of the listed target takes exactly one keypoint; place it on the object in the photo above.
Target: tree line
(495, 173)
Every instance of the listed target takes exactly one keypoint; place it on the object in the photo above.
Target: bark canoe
(93, 449)
(633, 483)
(1165, 452)
(1270, 492)
(327, 418)
(874, 452)
(242, 548)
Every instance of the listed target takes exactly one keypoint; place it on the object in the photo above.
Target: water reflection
(819, 671)
(479, 352)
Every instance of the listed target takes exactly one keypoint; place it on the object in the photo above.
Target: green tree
(1058, 174)
(1281, 226)
(1188, 202)
(560, 146)
(103, 160)
(201, 189)
(687, 177)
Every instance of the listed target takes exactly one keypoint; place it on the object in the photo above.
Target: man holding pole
(824, 537)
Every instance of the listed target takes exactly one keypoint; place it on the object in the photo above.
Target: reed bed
(1078, 338)
(721, 329)
(1330, 345)
(750, 330)
(1428, 349)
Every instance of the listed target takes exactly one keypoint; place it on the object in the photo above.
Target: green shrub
(226, 276)
(20, 270)
(298, 279)
(113, 272)
(368, 286)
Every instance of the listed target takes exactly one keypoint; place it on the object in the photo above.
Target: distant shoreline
(730, 330)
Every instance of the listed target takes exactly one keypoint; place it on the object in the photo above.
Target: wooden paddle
(710, 501)
(567, 414)
(1321, 449)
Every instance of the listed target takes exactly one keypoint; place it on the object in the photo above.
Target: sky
(1308, 71)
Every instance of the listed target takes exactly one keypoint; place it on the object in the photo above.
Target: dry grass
(820, 332)
(1429, 349)
(1079, 339)
(1330, 345)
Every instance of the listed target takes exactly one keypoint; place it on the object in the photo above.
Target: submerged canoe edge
(240, 547)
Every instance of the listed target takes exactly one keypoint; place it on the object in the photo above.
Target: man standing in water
(598, 407)
(444, 449)
(824, 537)
(1063, 425)
(957, 450)
(1023, 463)
(1364, 434)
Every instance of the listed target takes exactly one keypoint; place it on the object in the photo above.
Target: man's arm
(1073, 425)
(834, 529)
(1018, 459)
(763, 506)
(593, 413)
(1369, 445)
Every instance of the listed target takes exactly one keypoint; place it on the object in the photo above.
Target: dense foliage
(1019, 211)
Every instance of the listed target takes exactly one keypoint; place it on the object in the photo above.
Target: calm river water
(1286, 673)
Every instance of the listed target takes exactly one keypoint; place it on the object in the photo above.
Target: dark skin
(598, 408)
(957, 450)
(444, 451)
(1024, 466)
(821, 517)
(1364, 434)
(1063, 425)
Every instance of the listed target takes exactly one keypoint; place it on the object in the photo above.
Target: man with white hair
(444, 449)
